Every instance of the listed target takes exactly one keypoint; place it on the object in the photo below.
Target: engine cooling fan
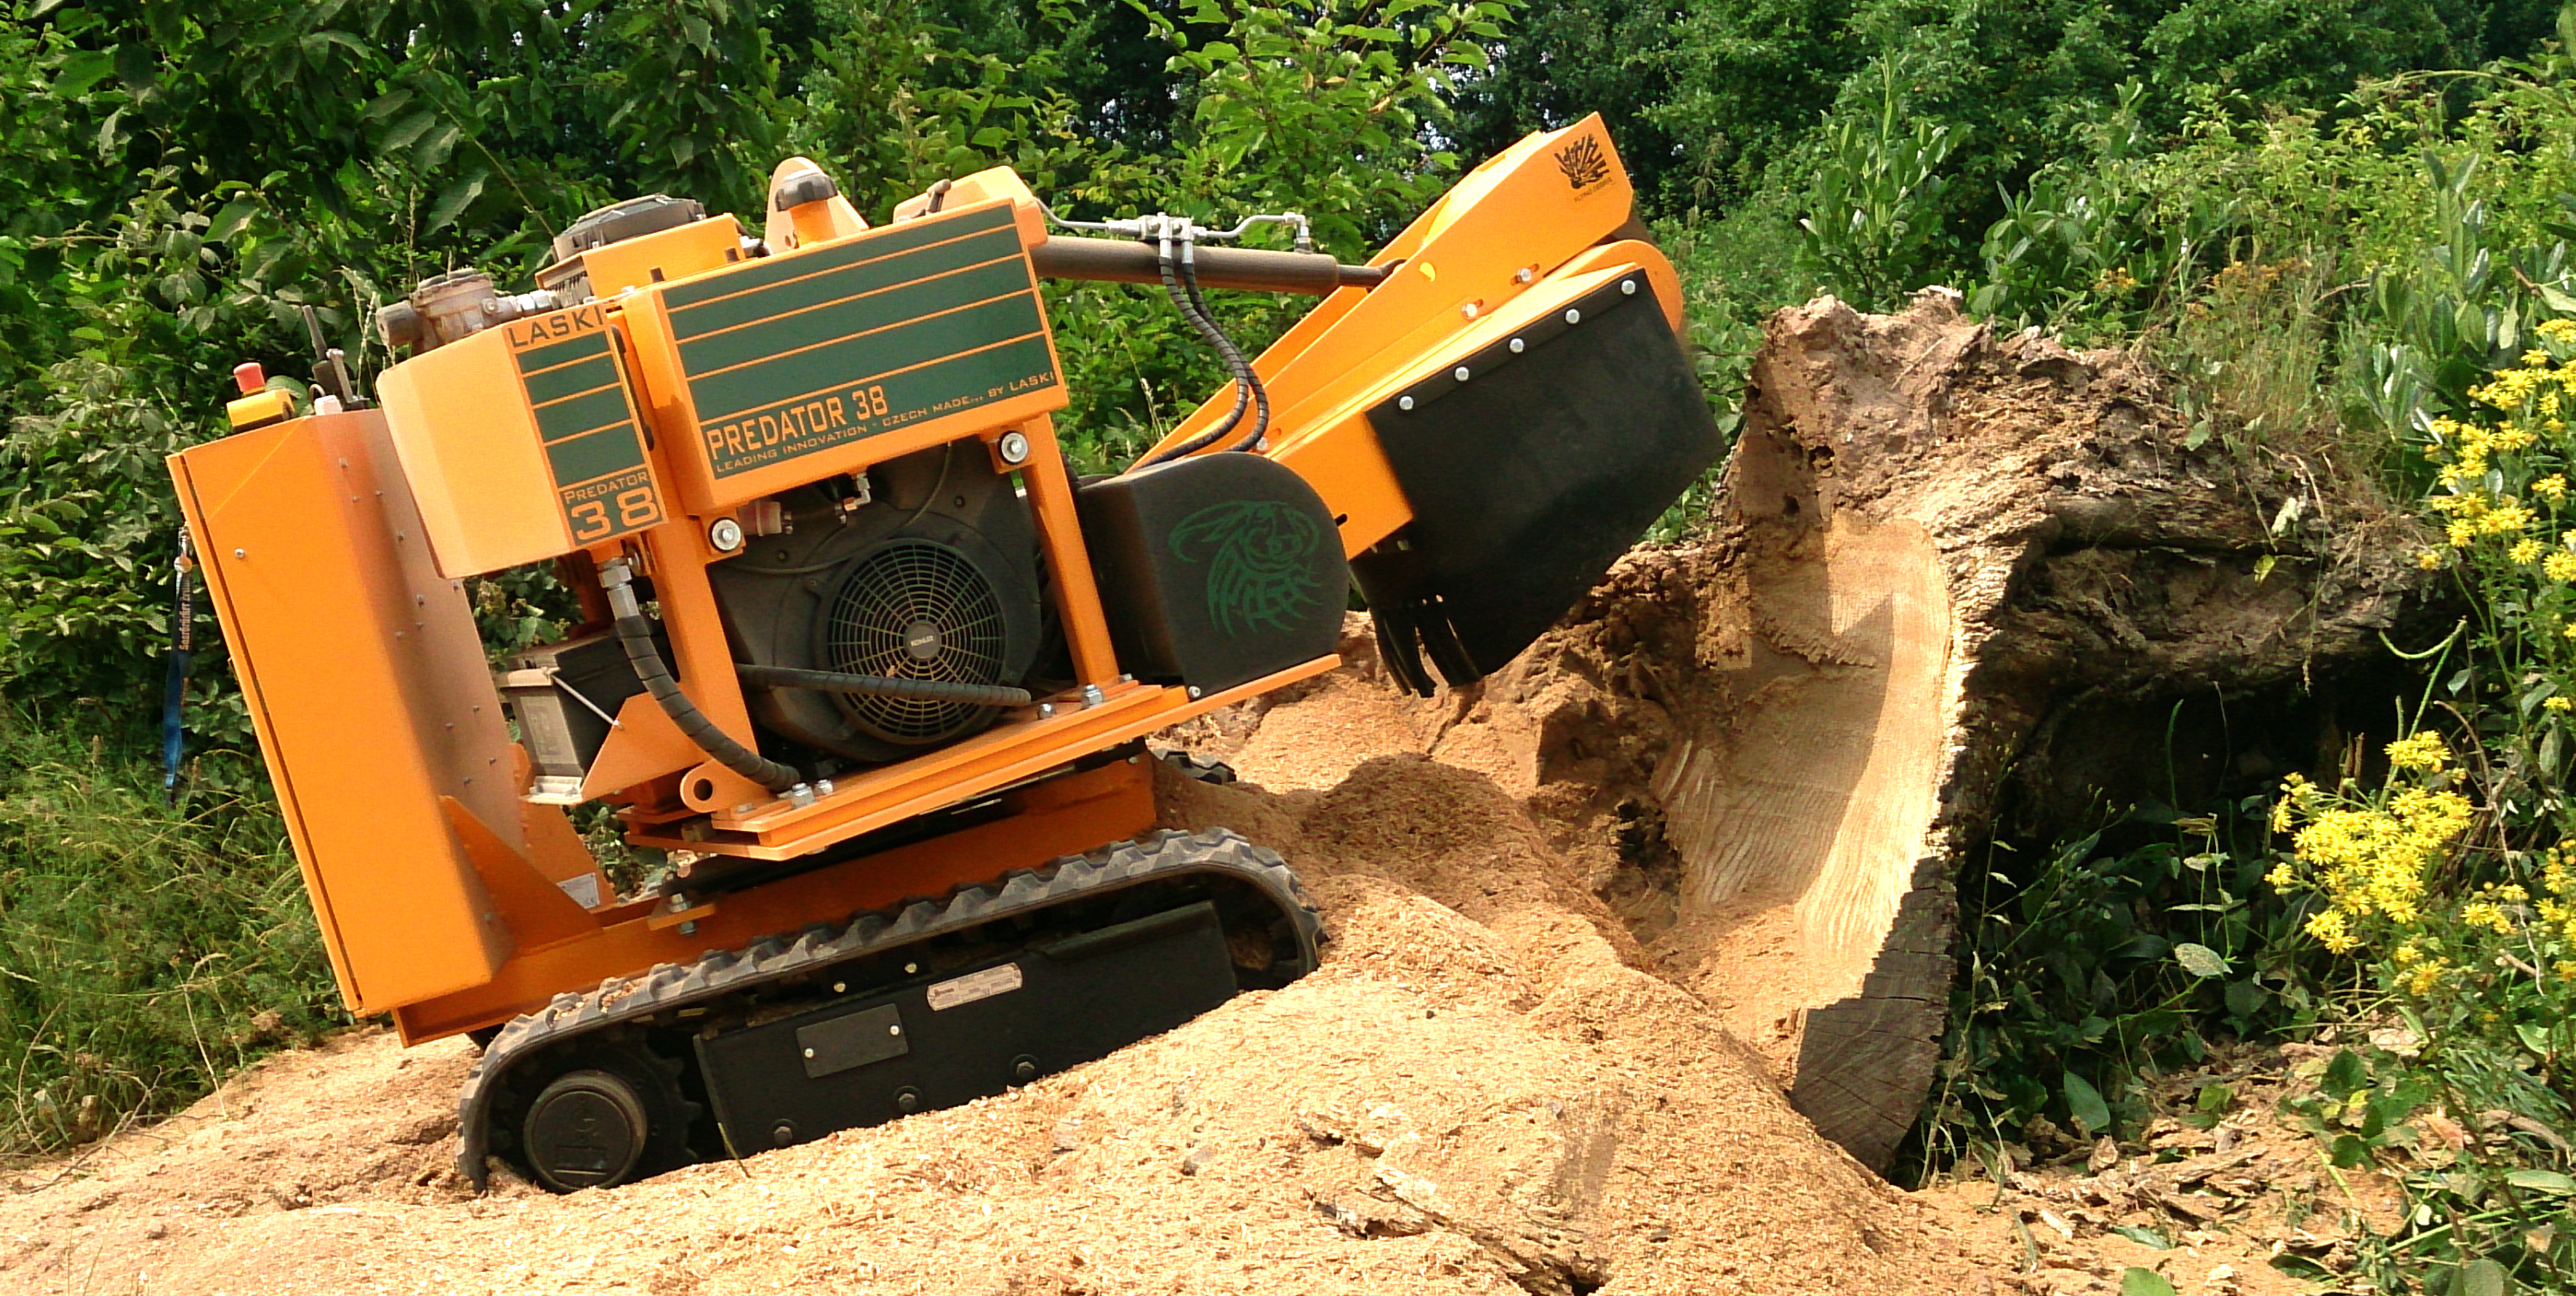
(915, 609)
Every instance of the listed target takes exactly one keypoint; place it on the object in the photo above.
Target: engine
(923, 568)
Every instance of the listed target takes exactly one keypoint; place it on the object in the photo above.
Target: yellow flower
(2461, 533)
(2427, 975)
(2504, 520)
(2407, 955)
(2552, 488)
(2558, 702)
(2556, 330)
(2487, 914)
(2525, 551)
(2421, 750)
(2431, 559)
(2560, 566)
(2328, 927)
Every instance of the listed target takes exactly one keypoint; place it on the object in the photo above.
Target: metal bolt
(822, 787)
(1046, 710)
(809, 1052)
(689, 928)
(1460, 373)
(744, 808)
(1014, 448)
(1574, 317)
(1195, 692)
(1518, 346)
(1402, 402)
(240, 554)
(1468, 311)
(679, 902)
(1092, 696)
(910, 968)
(801, 795)
(894, 1030)
(840, 987)
(724, 535)
(1628, 286)
(1524, 275)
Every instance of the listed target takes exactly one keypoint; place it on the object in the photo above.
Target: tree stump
(1949, 572)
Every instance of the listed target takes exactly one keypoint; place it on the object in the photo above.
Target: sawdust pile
(1476, 1093)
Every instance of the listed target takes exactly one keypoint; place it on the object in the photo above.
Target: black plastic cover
(1528, 477)
(1215, 570)
(965, 1035)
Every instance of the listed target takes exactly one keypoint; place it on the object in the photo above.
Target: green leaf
(2085, 1103)
(2548, 1181)
(454, 200)
(2145, 1237)
(2135, 1281)
(2533, 1037)
(2345, 1075)
(2246, 998)
(82, 69)
(2200, 960)
(2483, 1278)
(408, 129)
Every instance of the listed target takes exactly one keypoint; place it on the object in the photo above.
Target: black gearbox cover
(1215, 570)
(1529, 478)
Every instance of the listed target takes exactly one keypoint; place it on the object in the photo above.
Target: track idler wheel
(586, 1130)
(611, 1114)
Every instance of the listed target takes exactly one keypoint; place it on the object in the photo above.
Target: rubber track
(718, 974)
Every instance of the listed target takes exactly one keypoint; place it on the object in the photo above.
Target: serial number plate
(975, 985)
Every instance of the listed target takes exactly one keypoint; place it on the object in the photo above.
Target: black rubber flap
(1215, 570)
(1528, 477)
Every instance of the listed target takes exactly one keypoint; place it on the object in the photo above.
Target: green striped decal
(593, 448)
(797, 354)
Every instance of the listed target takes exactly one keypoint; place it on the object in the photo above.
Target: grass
(147, 951)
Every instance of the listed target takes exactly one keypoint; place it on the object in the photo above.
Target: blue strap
(174, 691)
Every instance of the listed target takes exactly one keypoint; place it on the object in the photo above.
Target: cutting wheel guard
(1529, 472)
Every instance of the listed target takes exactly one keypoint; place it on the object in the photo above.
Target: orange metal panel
(1077, 596)
(472, 456)
(675, 253)
(366, 681)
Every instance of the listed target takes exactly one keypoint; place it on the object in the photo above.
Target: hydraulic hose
(991, 695)
(1185, 301)
(635, 633)
(1244, 378)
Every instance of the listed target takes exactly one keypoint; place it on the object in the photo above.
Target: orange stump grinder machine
(861, 652)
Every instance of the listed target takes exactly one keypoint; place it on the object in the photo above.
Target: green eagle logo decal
(1259, 555)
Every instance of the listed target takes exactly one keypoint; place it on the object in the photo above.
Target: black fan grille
(915, 609)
